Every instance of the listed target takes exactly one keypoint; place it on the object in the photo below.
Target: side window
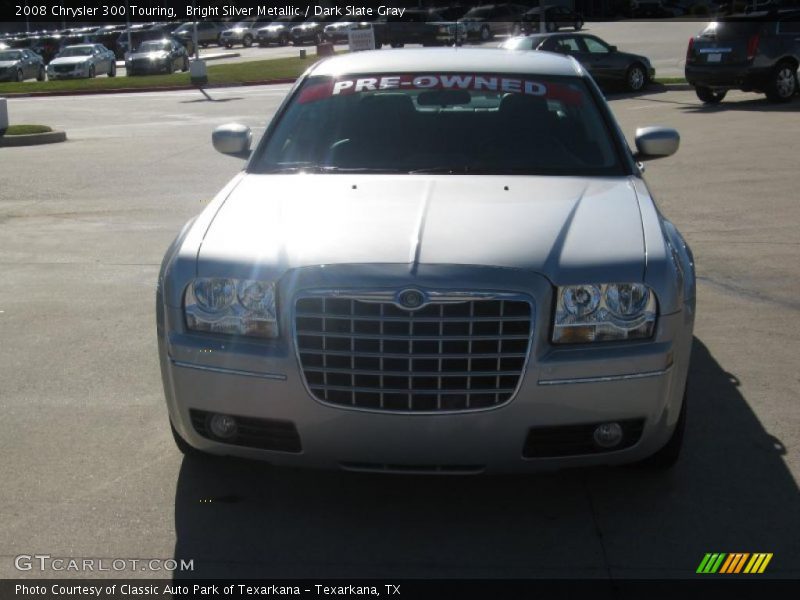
(595, 46)
(568, 45)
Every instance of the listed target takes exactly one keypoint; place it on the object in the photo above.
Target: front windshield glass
(10, 55)
(82, 51)
(153, 46)
(444, 123)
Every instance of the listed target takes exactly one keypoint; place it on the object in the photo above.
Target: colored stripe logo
(734, 563)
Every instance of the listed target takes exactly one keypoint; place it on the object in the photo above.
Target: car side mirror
(232, 139)
(612, 48)
(656, 142)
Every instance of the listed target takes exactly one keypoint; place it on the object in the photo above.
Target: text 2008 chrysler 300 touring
(434, 261)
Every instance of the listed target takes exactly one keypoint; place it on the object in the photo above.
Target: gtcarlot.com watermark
(46, 562)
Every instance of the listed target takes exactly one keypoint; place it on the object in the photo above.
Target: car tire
(40, 76)
(284, 39)
(709, 96)
(668, 455)
(170, 67)
(247, 41)
(112, 70)
(635, 78)
(185, 64)
(485, 33)
(228, 45)
(550, 26)
(92, 72)
(205, 44)
(20, 75)
(782, 83)
(397, 44)
(578, 25)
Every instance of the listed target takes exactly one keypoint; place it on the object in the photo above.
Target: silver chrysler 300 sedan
(438, 261)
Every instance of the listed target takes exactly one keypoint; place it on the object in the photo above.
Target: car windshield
(81, 51)
(10, 55)
(156, 46)
(450, 123)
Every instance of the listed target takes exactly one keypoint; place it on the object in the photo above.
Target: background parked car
(207, 33)
(157, 56)
(20, 64)
(555, 17)
(243, 33)
(276, 32)
(310, 32)
(746, 53)
(485, 22)
(605, 63)
(85, 60)
(426, 27)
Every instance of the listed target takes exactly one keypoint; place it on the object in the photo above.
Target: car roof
(489, 60)
(81, 46)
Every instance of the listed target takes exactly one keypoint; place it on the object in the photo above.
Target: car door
(789, 36)
(569, 45)
(599, 58)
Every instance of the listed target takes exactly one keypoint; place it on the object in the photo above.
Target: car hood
(571, 230)
(153, 55)
(4, 64)
(69, 60)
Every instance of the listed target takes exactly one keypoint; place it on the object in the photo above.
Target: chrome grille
(449, 355)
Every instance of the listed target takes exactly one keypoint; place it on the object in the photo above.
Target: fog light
(222, 426)
(608, 435)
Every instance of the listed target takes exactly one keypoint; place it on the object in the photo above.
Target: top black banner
(48, 14)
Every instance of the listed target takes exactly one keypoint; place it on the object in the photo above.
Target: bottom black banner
(111, 589)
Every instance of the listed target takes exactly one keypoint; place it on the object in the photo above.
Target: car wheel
(247, 41)
(783, 83)
(709, 96)
(92, 72)
(20, 75)
(667, 456)
(40, 75)
(485, 34)
(636, 78)
(185, 64)
(112, 70)
(205, 44)
(228, 45)
(284, 39)
(170, 67)
(578, 25)
(397, 44)
(550, 26)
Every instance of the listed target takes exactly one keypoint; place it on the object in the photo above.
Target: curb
(173, 88)
(33, 139)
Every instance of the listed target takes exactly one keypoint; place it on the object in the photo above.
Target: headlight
(605, 312)
(232, 306)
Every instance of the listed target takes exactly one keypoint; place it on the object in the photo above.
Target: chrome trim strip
(388, 296)
(223, 370)
(605, 378)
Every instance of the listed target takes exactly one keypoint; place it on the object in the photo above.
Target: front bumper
(67, 75)
(143, 68)
(561, 386)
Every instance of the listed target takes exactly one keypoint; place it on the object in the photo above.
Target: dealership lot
(90, 470)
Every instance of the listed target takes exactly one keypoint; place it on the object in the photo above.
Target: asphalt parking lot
(89, 469)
